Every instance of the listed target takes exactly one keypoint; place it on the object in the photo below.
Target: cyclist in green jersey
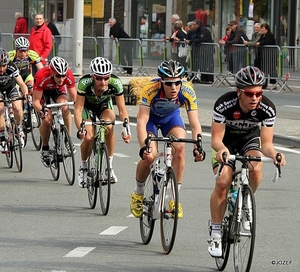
(94, 98)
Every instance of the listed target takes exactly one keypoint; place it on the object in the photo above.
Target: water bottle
(232, 195)
(25, 112)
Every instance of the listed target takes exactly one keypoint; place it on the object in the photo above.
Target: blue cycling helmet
(171, 68)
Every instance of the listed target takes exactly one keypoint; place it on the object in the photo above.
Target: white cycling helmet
(59, 66)
(22, 43)
(101, 67)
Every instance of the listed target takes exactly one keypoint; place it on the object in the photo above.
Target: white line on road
(113, 230)
(79, 252)
(121, 155)
(291, 106)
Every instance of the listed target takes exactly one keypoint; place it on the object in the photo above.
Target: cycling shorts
(53, 94)
(165, 124)
(13, 93)
(90, 110)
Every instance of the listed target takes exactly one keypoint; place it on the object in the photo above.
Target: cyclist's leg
(2, 126)
(253, 148)
(62, 97)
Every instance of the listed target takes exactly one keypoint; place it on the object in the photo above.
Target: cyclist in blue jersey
(160, 106)
(94, 98)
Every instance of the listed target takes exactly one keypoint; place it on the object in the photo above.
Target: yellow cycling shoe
(136, 205)
(172, 207)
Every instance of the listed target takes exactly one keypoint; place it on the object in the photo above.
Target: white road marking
(291, 106)
(121, 155)
(79, 252)
(131, 215)
(113, 230)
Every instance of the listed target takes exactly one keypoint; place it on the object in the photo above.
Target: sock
(216, 229)
(110, 161)
(179, 186)
(2, 135)
(83, 164)
(20, 127)
(140, 187)
(45, 147)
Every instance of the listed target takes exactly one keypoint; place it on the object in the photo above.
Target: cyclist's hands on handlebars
(43, 112)
(82, 131)
(222, 155)
(126, 134)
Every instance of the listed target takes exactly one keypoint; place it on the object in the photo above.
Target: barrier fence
(211, 62)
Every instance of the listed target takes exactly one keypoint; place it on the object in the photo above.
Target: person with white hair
(21, 26)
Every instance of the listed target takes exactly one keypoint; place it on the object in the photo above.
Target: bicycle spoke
(54, 159)
(92, 187)
(169, 214)
(244, 238)
(34, 128)
(67, 155)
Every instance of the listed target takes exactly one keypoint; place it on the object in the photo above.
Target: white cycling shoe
(215, 246)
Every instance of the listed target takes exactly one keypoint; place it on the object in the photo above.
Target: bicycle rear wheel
(169, 214)
(221, 262)
(147, 221)
(17, 147)
(35, 123)
(67, 153)
(9, 153)
(54, 159)
(244, 238)
(103, 176)
(92, 183)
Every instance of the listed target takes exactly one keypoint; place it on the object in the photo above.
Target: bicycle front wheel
(17, 147)
(67, 153)
(54, 159)
(9, 154)
(244, 238)
(92, 184)
(221, 262)
(103, 176)
(35, 123)
(169, 211)
(147, 221)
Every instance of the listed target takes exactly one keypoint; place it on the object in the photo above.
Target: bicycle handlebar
(245, 159)
(58, 105)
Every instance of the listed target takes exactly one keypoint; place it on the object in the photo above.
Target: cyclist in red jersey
(54, 82)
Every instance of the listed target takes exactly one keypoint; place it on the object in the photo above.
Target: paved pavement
(287, 131)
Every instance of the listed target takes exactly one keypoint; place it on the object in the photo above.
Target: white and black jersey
(7, 79)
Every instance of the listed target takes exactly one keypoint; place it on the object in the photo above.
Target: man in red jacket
(21, 26)
(40, 39)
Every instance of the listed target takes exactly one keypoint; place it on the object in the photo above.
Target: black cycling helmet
(249, 76)
(59, 66)
(170, 68)
(4, 57)
(101, 67)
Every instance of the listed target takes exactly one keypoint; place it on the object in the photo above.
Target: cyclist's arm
(217, 135)
(121, 107)
(72, 93)
(267, 146)
(39, 65)
(194, 123)
(22, 85)
(142, 120)
(79, 106)
(37, 96)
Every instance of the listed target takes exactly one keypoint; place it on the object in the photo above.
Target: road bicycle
(31, 121)
(12, 135)
(161, 188)
(60, 144)
(98, 173)
(239, 222)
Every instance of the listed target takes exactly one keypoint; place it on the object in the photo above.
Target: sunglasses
(170, 83)
(251, 94)
(102, 78)
(60, 76)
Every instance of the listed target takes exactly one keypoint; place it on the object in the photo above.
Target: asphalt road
(48, 226)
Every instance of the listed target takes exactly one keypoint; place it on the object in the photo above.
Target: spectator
(267, 57)
(21, 26)
(116, 31)
(203, 54)
(253, 43)
(56, 35)
(224, 39)
(40, 40)
(237, 55)
(174, 18)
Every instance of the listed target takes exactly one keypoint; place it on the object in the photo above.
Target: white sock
(179, 186)
(111, 161)
(140, 187)
(216, 229)
(83, 164)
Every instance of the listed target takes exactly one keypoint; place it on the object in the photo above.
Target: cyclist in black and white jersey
(9, 78)
(243, 123)
(94, 97)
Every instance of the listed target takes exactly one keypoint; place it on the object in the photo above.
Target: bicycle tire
(103, 176)
(92, 184)
(169, 215)
(17, 147)
(54, 159)
(147, 222)
(221, 262)
(9, 154)
(24, 125)
(244, 240)
(35, 130)
(67, 153)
